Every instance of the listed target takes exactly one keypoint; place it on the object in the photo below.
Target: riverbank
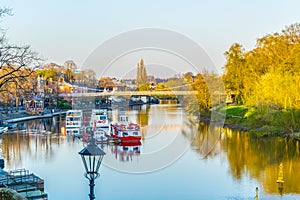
(260, 121)
(22, 116)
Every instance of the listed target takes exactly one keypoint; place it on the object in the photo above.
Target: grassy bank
(263, 120)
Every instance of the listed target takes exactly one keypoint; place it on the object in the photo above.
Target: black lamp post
(92, 156)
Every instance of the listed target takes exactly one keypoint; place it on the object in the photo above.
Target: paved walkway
(12, 115)
(21, 116)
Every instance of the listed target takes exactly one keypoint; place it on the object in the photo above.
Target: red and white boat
(125, 131)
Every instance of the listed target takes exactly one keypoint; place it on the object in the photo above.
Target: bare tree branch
(17, 64)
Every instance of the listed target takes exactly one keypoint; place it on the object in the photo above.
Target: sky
(73, 30)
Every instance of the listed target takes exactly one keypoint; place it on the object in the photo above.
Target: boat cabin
(35, 106)
(74, 122)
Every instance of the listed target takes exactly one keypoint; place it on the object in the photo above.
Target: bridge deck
(130, 93)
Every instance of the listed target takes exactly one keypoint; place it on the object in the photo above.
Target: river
(178, 159)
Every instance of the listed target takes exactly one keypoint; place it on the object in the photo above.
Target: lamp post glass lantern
(92, 156)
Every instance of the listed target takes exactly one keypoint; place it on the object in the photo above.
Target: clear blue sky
(65, 29)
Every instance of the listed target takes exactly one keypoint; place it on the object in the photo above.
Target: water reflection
(207, 142)
(253, 156)
(243, 156)
(33, 140)
(125, 152)
(20, 146)
(260, 157)
(51, 125)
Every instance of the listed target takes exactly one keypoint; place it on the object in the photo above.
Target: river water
(177, 159)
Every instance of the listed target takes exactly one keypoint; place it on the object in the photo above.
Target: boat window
(71, 119)
(125, 148)
(135, 133)
(123, 118)
(102, 117)
(125, 133)
(38, 104)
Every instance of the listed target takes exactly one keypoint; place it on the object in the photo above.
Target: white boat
(99, 121)
(74, 122)
(99, 118)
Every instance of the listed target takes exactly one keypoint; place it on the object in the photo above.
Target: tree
(203, 96)
(234, 71)
(143, 87)
(267, 77)
(17, 63)
(69, 75)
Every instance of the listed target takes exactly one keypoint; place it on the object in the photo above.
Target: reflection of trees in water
(259, 157)
(206, 141)
(251, 155)
(19, 146)
(142, 114)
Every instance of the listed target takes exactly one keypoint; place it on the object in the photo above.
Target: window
(135, 133)
(102, 117)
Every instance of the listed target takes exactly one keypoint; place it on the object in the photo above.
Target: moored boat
(100, 123)
(99, 118)
(34, 106)
(125, 131)
(74, 122)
